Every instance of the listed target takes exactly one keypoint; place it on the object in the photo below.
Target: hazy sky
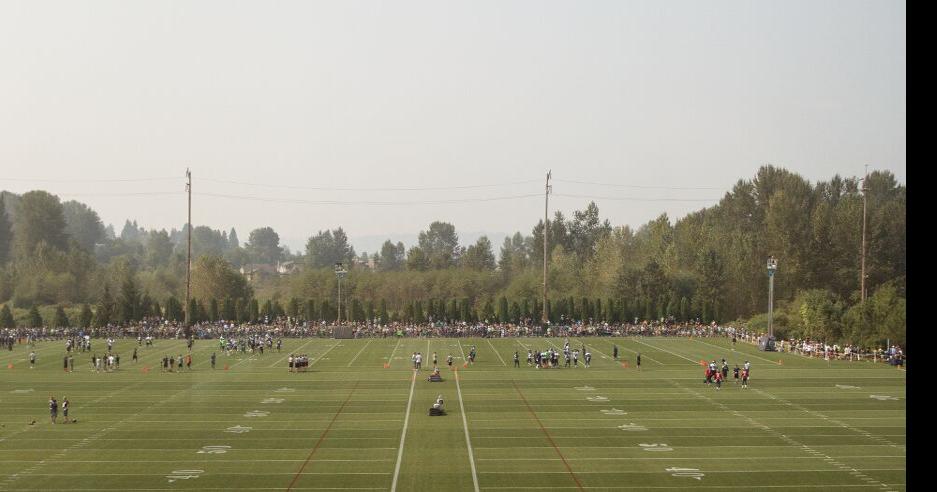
(436, 94)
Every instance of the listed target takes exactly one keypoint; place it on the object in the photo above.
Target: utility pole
(546, 226)
(772, 267)
(188, 263)
(865, 191)
(340, 272)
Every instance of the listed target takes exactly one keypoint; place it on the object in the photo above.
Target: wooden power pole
(188, 263)
(546, 206)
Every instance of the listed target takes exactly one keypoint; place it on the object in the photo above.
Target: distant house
(255, 271)
(288, 267)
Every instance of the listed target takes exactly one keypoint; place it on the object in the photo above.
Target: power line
(364, 202)
(348, 188)
(637, 199)
(68, 180)
(613, 185)
(141, 193)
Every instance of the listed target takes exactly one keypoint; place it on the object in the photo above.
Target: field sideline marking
(468, 441)
(790, 441)
(390, 360)
(323, 354)
(740, 352)
(875, 437)
(359, 352)
(665, 350)
(502, 363)
(403, 434)
(633, 352)
(542, 428)
(322, 437)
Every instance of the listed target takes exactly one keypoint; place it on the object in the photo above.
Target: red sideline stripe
(322, 437)
(555, 447)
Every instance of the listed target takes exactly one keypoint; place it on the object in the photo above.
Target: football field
(358, 419)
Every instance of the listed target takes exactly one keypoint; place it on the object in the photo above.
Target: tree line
(708, 265)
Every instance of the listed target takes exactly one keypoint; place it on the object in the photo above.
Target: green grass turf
(803, 424)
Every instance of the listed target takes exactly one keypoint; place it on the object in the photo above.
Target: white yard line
(359, 352)
(403, 435)
(468, 441)
(390, 360)
(633, 352)
(744, 353)
(293, 352)
(665, 350)
(819, 455)
(502, 363)
(323, 354)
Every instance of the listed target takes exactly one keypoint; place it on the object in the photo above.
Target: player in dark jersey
(517, 359)
(449, 360)
(639, 361)
(53, 408)
(530, 357)
(615, 352)
(735, 374)
(212, 360)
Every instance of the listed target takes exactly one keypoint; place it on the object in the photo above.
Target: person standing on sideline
(53, 408)
(65, 408)
(71, 363)
(212, 360)
(615, 352)
(134, 355)
(639, 361)
(32, 359)
(517, 360)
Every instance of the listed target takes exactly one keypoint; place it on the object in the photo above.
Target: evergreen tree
(488, 312)
(383, 312)
(253, 311)
(213, 313)
(129, 303)
(6, 233)
(34, 320)
(6, 318)
(310, 310)
(504, 313)
(193, 311)
(60, 320)
(105, 311)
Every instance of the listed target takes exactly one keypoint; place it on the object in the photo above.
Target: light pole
(772, 266)
(340, 272)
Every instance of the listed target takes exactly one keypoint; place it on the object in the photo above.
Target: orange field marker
(386, 365)
(624, 364)
(10, 366)
(225, 367)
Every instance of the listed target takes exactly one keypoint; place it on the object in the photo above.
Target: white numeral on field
(284, 390)
(614, 411)
(656, 447)
(632, 427)
(237, 429)
(256, 413)
(597, 398)
(882, 397)
(585, 388)
(273, 400)
(183, 475)
(214, 449)
(686, 472)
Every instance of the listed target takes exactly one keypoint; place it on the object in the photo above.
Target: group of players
(298, 363)
(716, 375)
(550, 358)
